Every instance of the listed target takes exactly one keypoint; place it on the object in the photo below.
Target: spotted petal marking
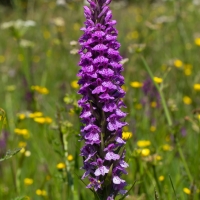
(112, 156)
(117, 180)
(101, 171)
(106, 72)
(98, 34)
(101, 60)
(109, 85)
(99, 47)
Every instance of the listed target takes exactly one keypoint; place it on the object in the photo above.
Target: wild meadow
(39, 114)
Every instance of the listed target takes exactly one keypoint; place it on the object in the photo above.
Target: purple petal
(120, 141)
(105, 96)
(123, 163)
(101, 171)
(117, 180)
(106, 72)
(98, 34)
(112, 156)
(98, 90)
(99, 47)
(101, 60)
(109, 107)
(109, 85)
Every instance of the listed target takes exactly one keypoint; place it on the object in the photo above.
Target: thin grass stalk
(169, 120)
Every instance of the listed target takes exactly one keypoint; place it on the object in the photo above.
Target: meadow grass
(38, 100)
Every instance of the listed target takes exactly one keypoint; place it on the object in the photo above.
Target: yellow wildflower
(60, 165)
(187, 100)
(167, 147)
(23, 132)
(22, 150)
(136, 84)
(197, 86)
(152, 128)
(132, 35)
(43, 90)
(187, 72)
(153, 104)
(21, 116)
(143, 143)
(75, 84)
(2, 59)
(41, 192)
(126, 135)
(158, 158)
(187, 191)
(39, 89)
(188, 69)
(22, 144)
(38, 192)
(161, 178)
(70, 157)
(197, 41)
(40, 120)
(145, 152)
(178, 63)
(35, 114)
(157, 80)
(44, 193)
(48, 120)
(138, 106)
(28, 181)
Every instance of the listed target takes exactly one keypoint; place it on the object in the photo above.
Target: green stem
(184, 161)
(156, 178)
(169, 120)
(164, 104)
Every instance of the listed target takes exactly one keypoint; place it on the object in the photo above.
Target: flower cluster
(101, 81)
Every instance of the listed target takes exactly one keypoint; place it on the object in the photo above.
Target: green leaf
(10, 154)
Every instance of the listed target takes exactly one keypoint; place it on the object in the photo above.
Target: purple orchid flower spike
(101, 89)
